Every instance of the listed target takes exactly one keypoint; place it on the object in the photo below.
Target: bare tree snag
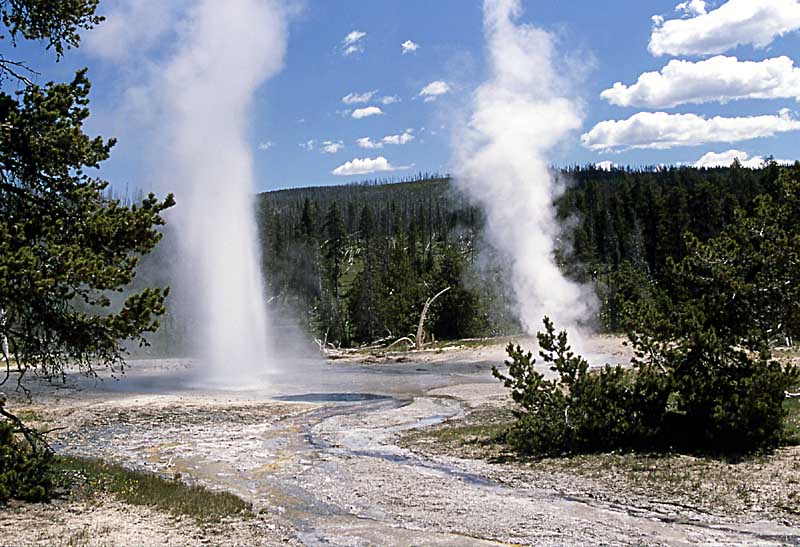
(405, 339)
(421, 326)
(4, 347)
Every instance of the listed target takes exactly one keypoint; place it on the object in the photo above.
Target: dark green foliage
(729, 298)
(360, 261)
(65, 247)
(615, 288)
(25, 474)
(459, 311)
(541, 421)
(629, 224)
(703, 377)
(55, 23)
(580, 410)
(617, 408)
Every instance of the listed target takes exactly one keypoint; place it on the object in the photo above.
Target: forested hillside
(358, 262)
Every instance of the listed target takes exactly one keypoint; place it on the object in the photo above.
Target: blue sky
(601, 43)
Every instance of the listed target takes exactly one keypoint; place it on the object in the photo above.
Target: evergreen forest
(357, 263)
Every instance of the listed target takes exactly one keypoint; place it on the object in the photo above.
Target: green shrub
(24, 474)
(541, 426)
(616, 408)
(582, 410)
(695, 393)
(732, 403)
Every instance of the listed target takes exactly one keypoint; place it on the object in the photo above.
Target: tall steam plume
(501, 159)
(226, 52)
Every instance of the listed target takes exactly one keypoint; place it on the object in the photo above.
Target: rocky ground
(385, 450)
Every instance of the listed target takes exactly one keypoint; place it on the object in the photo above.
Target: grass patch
(86, 478)
(479, 435)
(762, 486)
(28, 416)
(792, 423)
(475, 433)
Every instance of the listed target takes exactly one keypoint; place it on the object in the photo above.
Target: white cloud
(660, 130)
(719, 78)
(358, 98)
(366, 142)
(405, 137)
(331, 147)
(266, 145)
(725, 159)
(361, 98)
(433, 90)
(365, 166)
(734, 23)
(308, 145)
(692, 8)
(409, 46)
(353, 42)
(359, 113)
(605, 165)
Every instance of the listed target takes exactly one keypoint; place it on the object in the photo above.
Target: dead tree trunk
(4, 353)
(421, 327)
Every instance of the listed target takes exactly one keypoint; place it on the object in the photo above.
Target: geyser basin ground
(343, 472)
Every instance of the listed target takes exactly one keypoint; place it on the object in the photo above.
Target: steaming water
(501, 162)
(225, 54)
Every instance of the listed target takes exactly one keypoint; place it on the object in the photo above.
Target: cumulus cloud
(409, 46)
(353, 42)
(734, 23)
(719, 78)
(331, 147)
(725, 159)
(366, 142)
(404, 138)
(389, 99)
(659, 130)
(266, 145)
(692, 8)
(360, 113)
(359, 98)
(433, 90)
(605, 165)
(365, 166)
(308, 145)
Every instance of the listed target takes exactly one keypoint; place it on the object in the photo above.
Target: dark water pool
(332, 397)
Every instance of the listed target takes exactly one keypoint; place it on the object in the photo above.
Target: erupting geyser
(501, 163)
(227, 50)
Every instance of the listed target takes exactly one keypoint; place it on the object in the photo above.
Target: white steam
(207, 90)
(501, 159)
(186, 72)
